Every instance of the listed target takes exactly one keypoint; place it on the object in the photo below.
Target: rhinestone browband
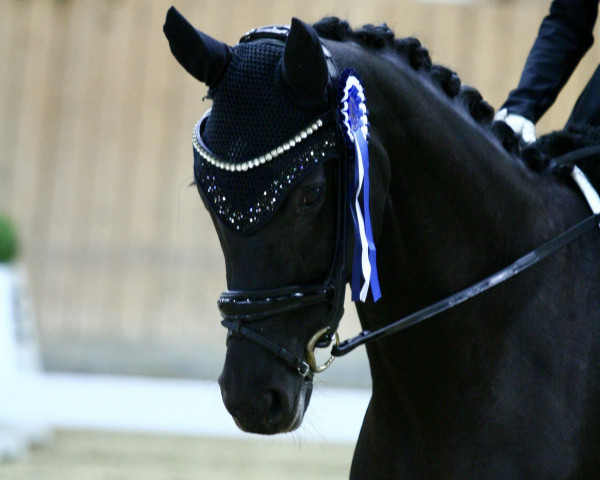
(207, 155)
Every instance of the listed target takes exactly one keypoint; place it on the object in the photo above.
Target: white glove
(521, 126)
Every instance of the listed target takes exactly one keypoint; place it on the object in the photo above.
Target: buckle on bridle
(304, 370)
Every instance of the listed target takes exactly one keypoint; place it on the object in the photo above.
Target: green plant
(9, 244)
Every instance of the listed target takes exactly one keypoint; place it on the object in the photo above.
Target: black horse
(505, 386)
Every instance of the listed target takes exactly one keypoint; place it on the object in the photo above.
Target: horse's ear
(304, 65)
(202, 56)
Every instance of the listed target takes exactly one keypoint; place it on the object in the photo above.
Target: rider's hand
(521, 126)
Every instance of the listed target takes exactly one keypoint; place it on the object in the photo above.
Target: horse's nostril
(274, 402)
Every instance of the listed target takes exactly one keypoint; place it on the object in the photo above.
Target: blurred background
(96, 120)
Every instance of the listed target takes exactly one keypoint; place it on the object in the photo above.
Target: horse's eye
(312, 196)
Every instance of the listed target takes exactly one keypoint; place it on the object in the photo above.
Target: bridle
(242, 308)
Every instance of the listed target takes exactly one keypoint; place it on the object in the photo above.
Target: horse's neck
(458, 209)
(461, 203)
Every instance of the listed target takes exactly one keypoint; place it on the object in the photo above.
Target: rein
(452, 301)
(563, 164)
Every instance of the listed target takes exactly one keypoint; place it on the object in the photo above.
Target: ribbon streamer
(355, 122)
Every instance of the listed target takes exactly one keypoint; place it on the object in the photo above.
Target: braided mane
(381, 39)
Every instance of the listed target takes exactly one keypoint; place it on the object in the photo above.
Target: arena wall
(96, 162)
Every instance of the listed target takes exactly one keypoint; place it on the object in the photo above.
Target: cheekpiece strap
(355, 126)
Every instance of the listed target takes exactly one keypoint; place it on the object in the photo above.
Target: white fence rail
(186, 407)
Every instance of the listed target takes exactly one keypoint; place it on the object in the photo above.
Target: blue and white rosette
(355, 126)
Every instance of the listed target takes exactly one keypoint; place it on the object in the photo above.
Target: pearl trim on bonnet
(255, 162)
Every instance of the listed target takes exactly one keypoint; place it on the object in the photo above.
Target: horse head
(276, 165)
(268, 169)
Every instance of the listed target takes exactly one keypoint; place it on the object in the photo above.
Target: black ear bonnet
(271, 121)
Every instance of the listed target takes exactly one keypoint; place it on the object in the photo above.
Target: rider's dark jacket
(564, 36)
